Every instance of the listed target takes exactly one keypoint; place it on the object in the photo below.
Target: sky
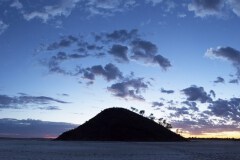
(64, 61)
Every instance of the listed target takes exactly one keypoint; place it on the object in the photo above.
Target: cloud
(3, 27)
(157, 104)
(122, 44)
(119, 52)
(192, 105)
(49, 12)
(29, 128)
(230, 54)
(235, 5)
(203, 125)
(179, 111)
(212, 93)
(146, 51)
(226, 108)
(108, 7)
(234, 81)
(16, 4)
(167, 91)
(129, 88)
(195, 93)
(64, 42)
(154, 2)
(18, 102)
(203, 8)
(219, 80)
(109, 72)
(50, 108)
(121, 35)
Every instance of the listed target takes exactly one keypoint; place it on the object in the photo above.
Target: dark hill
(118, 124)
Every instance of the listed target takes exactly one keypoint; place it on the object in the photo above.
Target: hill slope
(118, 124)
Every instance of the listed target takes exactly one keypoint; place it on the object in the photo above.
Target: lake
(14, 149)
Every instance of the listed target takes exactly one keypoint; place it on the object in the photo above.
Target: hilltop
(119, 124)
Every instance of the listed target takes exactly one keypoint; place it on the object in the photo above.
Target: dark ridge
(119, 124)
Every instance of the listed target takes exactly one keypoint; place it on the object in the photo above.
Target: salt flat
(59, 150)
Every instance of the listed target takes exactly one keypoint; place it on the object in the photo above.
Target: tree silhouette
(151, 117)
(142, 112)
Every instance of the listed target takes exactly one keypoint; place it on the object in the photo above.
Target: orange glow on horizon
(226, 134)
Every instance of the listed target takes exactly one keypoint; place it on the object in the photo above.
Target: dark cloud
(119, 52)
(167, 91)
(234, 81)
(195, 93)
(226, 108)
(129, 88)
(64, 42)
(18, 102)
(143, 49)
(192, 105)
(219, 80)
(179, 111)
(30, 128)
(121, 35)
(109, 72)
(203, 8)
(146, 51)
(227, 53)
(212, 93)
(162, 61)
(157, 104)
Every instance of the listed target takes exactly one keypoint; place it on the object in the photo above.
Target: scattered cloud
(109, 72)
(119, 52)
(3, 27)
(121, 35)
(230, 54)
(32, 128)
(226, 108)
(234, 81)
(235, 5)
(219, 80)
(203, 8)
(157, 104)
(108, 7)
(195, 93)
(22, 101)
(146, 51)
(49, 12)
(16, 4)
(192, 105)
(167, 91)
(154, 2)
(129, 88)
(64, 42)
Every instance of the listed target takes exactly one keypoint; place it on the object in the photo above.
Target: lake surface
(58, 150)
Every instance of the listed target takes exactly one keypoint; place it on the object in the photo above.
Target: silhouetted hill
(118, 124)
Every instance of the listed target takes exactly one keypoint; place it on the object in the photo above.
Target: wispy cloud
(3, 27)
(23, 101)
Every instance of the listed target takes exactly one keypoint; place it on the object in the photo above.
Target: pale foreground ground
(52, 150)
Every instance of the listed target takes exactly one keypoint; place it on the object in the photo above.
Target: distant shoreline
(191, 139)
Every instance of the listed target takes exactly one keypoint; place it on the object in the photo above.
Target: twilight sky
(63, 61)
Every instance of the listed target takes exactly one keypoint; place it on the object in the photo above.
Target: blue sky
(66, 60)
